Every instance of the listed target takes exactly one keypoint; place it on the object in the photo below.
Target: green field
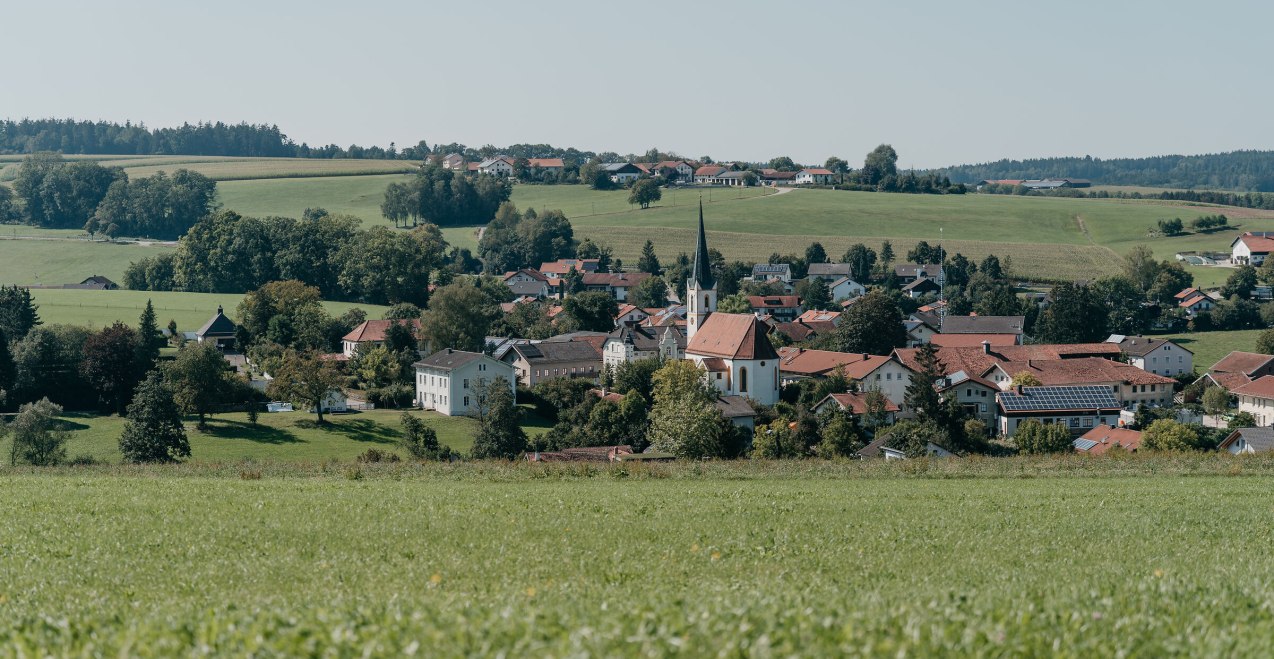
(692, 560)
(1210, 347)
(59, 259)
(282, 437)
(190, 310)
(221, 168)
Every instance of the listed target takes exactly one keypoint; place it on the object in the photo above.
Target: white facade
(617, 351)
(757, 379)
(1167, 359)
(846, 289)
(454, 391)
(699, 305)
(890, 378)
(496, 167)
(1261, 408)
(1241, 253)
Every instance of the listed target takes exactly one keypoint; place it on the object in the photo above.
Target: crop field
(231, 169)
(878, 559)
(190, 310)
(282, 437)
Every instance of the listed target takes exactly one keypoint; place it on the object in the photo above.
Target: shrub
(1035, 437)
(375, 455)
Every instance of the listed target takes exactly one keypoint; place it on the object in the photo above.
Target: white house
(1157, 356)
(448, 381)
(370, 334)
(622, 172)
(1252, 247)
(814, 176)
(683, 170)
(1248, 440)
(1080, 408)
(633, 342)
(1257, 398)
(846, 289)
(498, 166)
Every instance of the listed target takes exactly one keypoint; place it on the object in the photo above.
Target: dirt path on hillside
(1083, 228)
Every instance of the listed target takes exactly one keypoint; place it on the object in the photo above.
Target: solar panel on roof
(1085, 397)
(1084, 444)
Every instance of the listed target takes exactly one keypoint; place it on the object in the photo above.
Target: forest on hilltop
(1251, 171)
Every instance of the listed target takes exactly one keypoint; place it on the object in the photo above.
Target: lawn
(190, 310)
(1210, 347)
(738, 560)
(53, 257)
(281, 437)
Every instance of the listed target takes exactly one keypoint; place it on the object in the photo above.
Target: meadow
(1210, 347)
(190, 310)
(1061, 557)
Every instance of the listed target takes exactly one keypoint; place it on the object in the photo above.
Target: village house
(975, 396)
(799, 330)
(1132, 386)
(707, 174)
(1239, 368)
(828, 272)
(814, 176)
(622, 172)
(628, 314)
(1079, 408)
(1248, 440)
(1103, 439)
(561, 267)
(674, 314)
(994, 325)
(856, 403)
(371, 334)
(733, 349)
(527, 283)
(981, 361)
(883, 373)
(821, 316)
(632, 342)
(909, 272)
(501, 166)
(845, 289)
(546, 165)
(737, 410)
(678, 170)
(773, 177)
(1193, 301)
(1158, 356)
(453, 161)
(784, 308)
(920, 287)
(452, 382)
(536, 362)
(770, 271)
(219, 331)
(877, 449)
(616, 284)
(1251, 248)
(733, 178)
(1257, 398)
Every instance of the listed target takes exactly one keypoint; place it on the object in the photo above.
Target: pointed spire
(701, 275)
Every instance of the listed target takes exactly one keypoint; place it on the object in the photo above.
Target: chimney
(865, 356)
(1020, 390)
(986, 347)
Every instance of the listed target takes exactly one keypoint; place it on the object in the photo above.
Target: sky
(944, 83)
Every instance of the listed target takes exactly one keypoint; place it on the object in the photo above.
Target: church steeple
(702, 273)
(701, 288)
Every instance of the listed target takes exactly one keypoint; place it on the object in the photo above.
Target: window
(482, 367)
(1088, 423)
(877, 376)
(1074, 422)
(889, 376)
(743, 379)
(466, 401)
(466, 385)
(968, 392)
(982, 407)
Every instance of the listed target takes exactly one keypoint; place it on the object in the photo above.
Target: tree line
(55, 193)
(1235, 170)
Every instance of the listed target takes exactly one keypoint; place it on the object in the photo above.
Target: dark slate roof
(647, 339)
(558, 351)
(733, 407)
(701, 275)
(983, 325)
(448, 359)
(922, 283)
(218, 325)
(828, 269)
(913, 270)
(1140, 346)
(1259, 439)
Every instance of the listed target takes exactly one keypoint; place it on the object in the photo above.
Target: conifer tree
(648, 261)
(153, 432)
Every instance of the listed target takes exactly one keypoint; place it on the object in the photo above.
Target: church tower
(701, 288)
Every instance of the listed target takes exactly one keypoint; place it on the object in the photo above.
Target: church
(733, 348)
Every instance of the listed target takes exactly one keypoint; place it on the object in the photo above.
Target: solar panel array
(1087, 397)
(1084, 444)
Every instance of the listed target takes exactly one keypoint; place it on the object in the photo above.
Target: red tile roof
(1241, 362)
(1087, 370)
(1257, 243)
(801, 361)
(733, 336)
(1108, 438)
(374, 330)
(615, 279)
(972, 340)
(773, 301)
(818, 171)
(563, 266)
(1262, 387)
(545, 162)
(1230, 381)
(607, 395)
(975, 362)
(817, 316)
(1190, 302)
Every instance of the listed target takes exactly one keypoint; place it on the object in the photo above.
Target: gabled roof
(620, 168)
(922, 283)
(854, 402)
(218, 325)
(1241, 362)
(526, 272)
(972, 340)
(1187, 293)
(816, 171)
(732, 336)
(762, 269)
(374, 330)
(448, 359)
(960, 378)
(1140, 346)
(1190, 302)
(978, 362)
(563, 266)
(1087, 370)
(615, 279)
(558, 351)
(913, 270)
(1262, 387)
(1259, 439)
(828, 270)
(709, 170)
(1103, 438)
(773, 301)
(647, 339)
(734, 407)
(1258, 242)
(800, 330)
(802, 361)
(820, 316)
(545, 162)
(983, 324)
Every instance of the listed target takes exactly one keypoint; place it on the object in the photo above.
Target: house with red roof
(1257, 399)
(784, 308)
(1239, 368)
(884, 373)
(855, 403)
(1251, 247)
(371, 334)
(1104, 438)
(617, 284)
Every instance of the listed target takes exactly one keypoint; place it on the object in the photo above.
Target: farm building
(1080, 408)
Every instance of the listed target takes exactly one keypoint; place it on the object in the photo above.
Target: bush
(1034, 437)
(374, 455)
(421, 442)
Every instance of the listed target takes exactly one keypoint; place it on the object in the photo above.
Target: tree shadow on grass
(359, 430)
(225, 429)
(68, 425)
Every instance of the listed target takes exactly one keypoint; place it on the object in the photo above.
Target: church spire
(701, 276)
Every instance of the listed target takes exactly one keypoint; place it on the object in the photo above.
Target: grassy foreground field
(729, 560)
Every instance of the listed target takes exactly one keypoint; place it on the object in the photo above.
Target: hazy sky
(944, 82)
